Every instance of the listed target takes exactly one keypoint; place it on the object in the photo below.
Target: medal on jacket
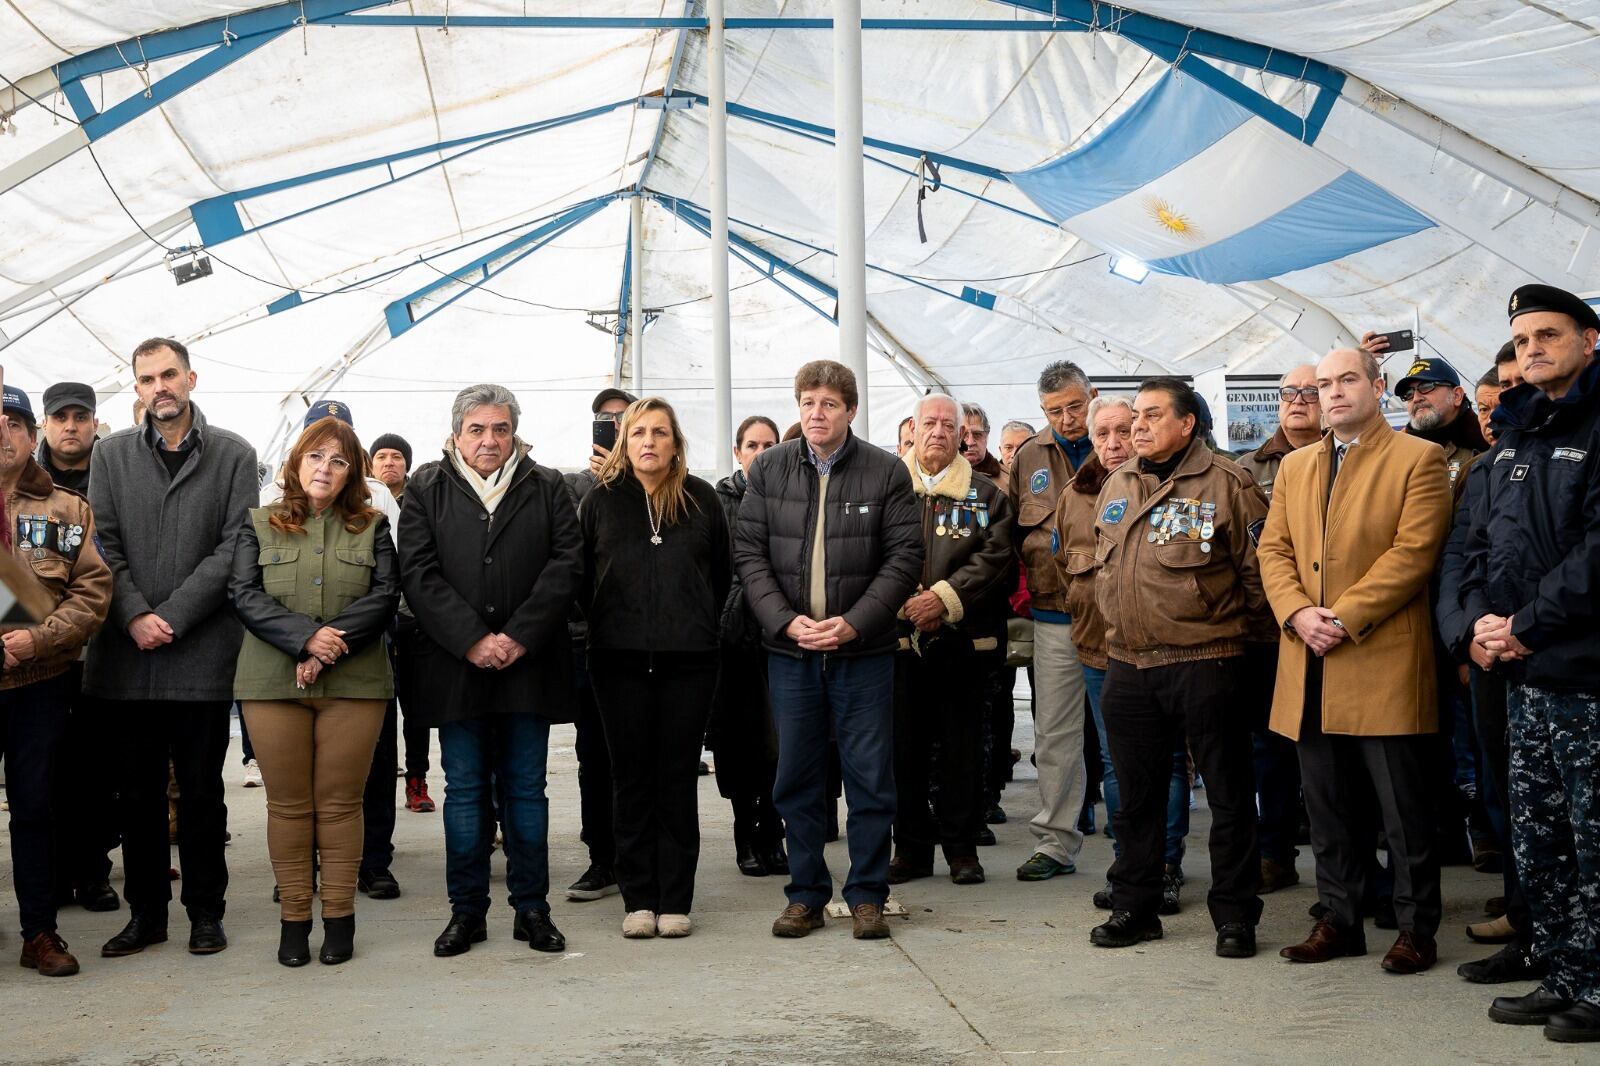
(38, 527)
(1208, 521)
(983, 516)
(966, 521)
(68, 540)
(938, 513)
(1155, 524)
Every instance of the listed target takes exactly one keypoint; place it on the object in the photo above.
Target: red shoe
(417, 798)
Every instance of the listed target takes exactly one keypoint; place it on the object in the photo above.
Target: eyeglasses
(1305, 394)
(337, 463)
(1420, 388)
(1055, 413)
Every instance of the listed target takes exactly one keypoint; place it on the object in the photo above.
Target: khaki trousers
(314, 756)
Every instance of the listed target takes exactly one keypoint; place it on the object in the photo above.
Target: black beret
(1549, 298)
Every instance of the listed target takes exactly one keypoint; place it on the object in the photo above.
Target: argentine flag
(1191, 183)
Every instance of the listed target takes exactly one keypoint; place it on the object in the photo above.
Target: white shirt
(931, 480)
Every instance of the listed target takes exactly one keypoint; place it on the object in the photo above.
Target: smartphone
(1400, 340)
(605, 433)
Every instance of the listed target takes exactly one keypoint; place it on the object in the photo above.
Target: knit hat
(395, 441)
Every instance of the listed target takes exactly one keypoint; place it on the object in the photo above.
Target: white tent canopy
(337, 160)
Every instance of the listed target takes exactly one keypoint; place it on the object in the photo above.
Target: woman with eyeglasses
(658, 565)
(315, 582)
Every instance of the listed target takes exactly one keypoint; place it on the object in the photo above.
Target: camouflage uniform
(1555, 803)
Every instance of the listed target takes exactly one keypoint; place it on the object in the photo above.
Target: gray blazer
(169, 543)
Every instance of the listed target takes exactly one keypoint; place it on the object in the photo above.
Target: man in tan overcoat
(1356, 525)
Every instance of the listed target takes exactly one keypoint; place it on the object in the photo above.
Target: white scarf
(492, 489)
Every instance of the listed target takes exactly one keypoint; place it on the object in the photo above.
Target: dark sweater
(665, 597)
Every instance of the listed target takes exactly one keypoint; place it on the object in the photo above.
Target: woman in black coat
(658, 568)
(741, 731)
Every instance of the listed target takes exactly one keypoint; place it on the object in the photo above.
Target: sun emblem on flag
(1170, 218)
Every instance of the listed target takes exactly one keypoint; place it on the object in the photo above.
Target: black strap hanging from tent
(925, 185)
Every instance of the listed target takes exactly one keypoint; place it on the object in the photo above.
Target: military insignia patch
(1254, 529)
(1519, 472)
(1114, 511)
(1506, 453)
(1039, 481)
(1573, 455)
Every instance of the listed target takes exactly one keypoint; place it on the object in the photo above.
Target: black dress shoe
(1123, 930)
(995, 815)
(338, 940)
(138, 934)
(986, 837)
(539, 931)
(458, 937)
(1236, 940)
(1102, 898)
(98, 896)
(1511, 963)
(1578, 1024)
(1535, 1008)
(294, 943)
(749, 862)
(378, 884)
(206, 936)
(775, 860)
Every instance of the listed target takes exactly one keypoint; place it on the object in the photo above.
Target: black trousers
(1146, 713)
(1334, 771)
(194, 735)
(1489, 720)
(418, 735)
(655, 709)
(938, 705)
(746, 742)
(594, 769)
(378, 798)
(999, 684)
(86, 797)
(33, 726)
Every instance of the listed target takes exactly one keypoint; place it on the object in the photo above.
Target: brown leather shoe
(966, 870)
(902, 870)
(1276, 875)
(869, 923)
(1412, 953)
(1327, 941)
(48, 954)
(797, 920)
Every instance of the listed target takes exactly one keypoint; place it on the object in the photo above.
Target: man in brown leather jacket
(1039, 470)
(952, 638)
(51, 533)
(1179, 587)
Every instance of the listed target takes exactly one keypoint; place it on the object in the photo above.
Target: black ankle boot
(294, 943)
(338, 940)
(744, 831)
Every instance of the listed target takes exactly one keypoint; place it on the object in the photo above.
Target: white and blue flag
(1189, 182)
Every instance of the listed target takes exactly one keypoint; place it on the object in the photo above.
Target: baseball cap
(329, 409)
(68, 394)
(1427, 370)
(605, 395)
(16, 402)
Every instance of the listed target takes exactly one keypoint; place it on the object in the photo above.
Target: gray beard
(1427, 420)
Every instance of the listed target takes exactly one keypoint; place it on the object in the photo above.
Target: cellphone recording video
(605, 433)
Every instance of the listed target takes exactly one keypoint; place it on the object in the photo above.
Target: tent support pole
(717, 179)
(850, 195)
(636, 299)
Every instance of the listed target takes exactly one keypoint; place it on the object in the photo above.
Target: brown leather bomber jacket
(1075, 515)
(1187, 594)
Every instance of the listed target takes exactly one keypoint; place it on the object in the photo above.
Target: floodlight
(1125, 267)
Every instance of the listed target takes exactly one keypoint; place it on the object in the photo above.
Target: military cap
(1549, 298)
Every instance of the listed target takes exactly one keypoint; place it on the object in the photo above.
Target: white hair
(940, 397)
(1100, 403)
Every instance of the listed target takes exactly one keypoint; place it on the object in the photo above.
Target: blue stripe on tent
(1347, 215)
(1168, 126)
(983, 299)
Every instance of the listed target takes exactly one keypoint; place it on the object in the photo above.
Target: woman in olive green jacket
(316, 582)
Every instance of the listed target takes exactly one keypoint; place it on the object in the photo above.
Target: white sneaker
(252, 774)
(639, 925)
(674, 925)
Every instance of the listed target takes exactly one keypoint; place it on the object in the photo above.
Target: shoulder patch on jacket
(1254, 529)
(1506, 453)
(1574, 455)
(1039, 480)
(1114, 511)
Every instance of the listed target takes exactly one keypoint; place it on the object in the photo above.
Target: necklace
(655, 524)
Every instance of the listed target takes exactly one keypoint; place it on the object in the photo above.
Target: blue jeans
(856, 698)
(508, 752)
(1177, 791)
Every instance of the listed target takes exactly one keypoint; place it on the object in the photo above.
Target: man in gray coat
(169, 497)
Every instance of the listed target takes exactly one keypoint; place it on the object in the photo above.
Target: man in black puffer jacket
(828, 547)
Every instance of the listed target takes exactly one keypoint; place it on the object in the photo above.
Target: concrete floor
(1001, 972)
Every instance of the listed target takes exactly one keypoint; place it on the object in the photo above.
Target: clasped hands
(1493, 642)
(324, 647)
(496, 651)
(827, 635)
(1315, 626)
(925, 610)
